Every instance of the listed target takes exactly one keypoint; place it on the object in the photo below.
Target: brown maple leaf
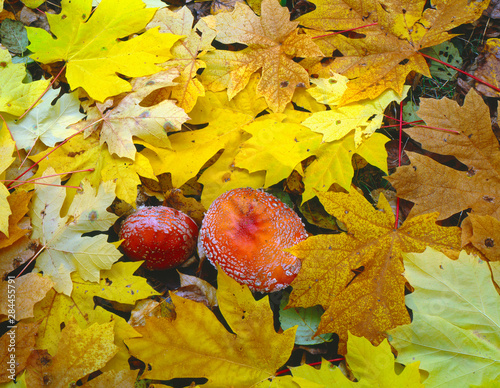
(380, 57)
(272, 43)
(358, 276)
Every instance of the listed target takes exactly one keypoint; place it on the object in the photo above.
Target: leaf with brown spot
(358, 276)
(436, 187)
(485, 235)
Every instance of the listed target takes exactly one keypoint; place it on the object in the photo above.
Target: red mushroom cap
(245, 231)
(162, 236)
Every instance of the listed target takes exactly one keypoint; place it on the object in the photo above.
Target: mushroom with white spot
(162, 236)
(245, 231)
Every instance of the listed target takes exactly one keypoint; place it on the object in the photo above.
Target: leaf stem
(461, 71)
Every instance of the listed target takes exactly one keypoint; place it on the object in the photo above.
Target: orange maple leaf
(387, 52)
(370, 300)
(273, 41)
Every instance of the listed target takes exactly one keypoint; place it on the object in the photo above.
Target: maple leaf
(7, 146)
(80, 154)
(117, 284)
(273, 41)
(435, 187)
(16, 96)
(79, 353)
(275, 147)
(483, 232)
(333, 162)
(46, 122)
(389, 51)
(64, 248)
(186, 53)
(119, 123)
(196, 344)
(92, 48)
(25, 335)
(18, 204)
(371, 302)
(372, 366)
(455, 332)
(30, 289)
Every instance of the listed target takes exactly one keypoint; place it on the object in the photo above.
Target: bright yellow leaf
(92, 48)
(276, 147)
(371, 302)
(15, 96)
(196, 344)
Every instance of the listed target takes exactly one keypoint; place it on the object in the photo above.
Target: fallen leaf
(80, 352)
(455, 332)
(18, 203)
(23, 335)
(196, 344)
(485, 235)
(16, 96)
(46, 122)
(65, 249)
(436, 187)
(92, 48)
(29, 289)
(487, 70)
(382, 55)
(272, 42)
(370, 300)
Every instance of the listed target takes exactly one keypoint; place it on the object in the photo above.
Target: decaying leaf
(358, 276)
(196, 344)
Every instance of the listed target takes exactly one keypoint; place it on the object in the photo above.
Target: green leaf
(455, 331)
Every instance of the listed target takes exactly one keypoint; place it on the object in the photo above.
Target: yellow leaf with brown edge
(18, 202)
(371, 300)
(385, 53)
(81, 352)
(272, 42)
(436, 187)
(30, 289)
(196, 344)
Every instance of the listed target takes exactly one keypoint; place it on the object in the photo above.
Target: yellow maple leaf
(372, 366)
(333, 162)
(119, 122)
(7, 146)
(65, 250)
(16, 96)
(117, 284)
(371, 302)
(92, 48)
(272, 42)
(80, 352)
(196, 344)
(388, 51)
(186, 53)
(18, 204)
(276, 147)
(82, 154)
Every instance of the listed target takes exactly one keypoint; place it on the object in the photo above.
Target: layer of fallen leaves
(167, 106)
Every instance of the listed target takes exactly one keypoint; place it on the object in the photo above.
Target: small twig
(340, 32)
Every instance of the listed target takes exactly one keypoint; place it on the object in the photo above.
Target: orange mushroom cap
(245, 231)
(162, 236)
